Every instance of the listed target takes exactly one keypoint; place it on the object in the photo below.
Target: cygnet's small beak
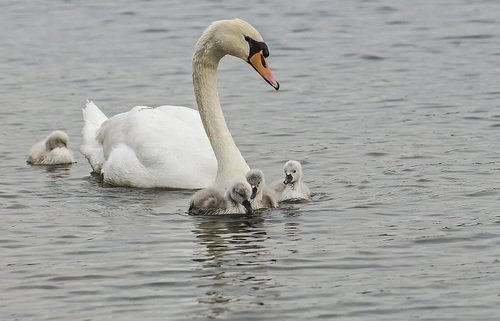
(254, 192)
(259, 63)
(288, 179)
(248, 207)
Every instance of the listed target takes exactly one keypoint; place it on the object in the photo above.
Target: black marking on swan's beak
(288, 179)
(257, 58)
(254, 192)
(248, 207)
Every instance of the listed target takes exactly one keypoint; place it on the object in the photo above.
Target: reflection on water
(228, 235)
(238, 259)
(54, 172)
(234, 247)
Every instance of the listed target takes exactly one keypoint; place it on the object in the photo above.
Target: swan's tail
(93, 118)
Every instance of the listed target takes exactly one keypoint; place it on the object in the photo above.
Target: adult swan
(173, 146)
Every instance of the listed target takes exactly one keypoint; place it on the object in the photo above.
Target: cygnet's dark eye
(294, 171)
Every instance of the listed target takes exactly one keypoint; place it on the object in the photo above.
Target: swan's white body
(53, 150)
(263, 196)
(172, 146)
(292, 187)
(214, 201)
(150, 147)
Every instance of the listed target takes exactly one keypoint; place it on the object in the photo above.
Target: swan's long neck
(231, 166)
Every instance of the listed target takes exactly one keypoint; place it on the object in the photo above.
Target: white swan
(214, 201)
(292, 187)
(53, 150)
(172, 146)
(262, 195)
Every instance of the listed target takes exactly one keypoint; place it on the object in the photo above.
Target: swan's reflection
(54, 171)
(57, 175)
(116, 199)
(63, 169)
(234, 266)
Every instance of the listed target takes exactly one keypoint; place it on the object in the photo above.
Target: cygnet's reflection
(234, 264)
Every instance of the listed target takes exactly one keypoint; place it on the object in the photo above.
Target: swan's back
(151, 147)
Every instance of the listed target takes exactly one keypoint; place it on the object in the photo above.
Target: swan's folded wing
(164, 146)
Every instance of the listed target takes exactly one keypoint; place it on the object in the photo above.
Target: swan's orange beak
(259, 63)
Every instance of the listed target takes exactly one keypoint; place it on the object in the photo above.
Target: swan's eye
(247, 38)
(294, 171)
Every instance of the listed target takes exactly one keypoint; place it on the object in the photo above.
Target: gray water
(391, 106)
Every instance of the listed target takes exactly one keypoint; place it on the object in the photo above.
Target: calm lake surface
(393, 108)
